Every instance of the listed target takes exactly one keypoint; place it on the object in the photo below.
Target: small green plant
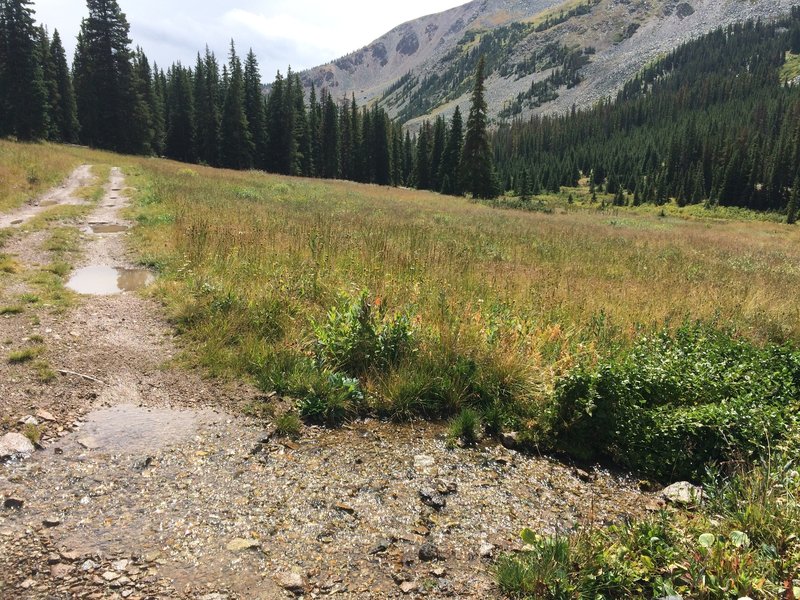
(288, 424)
(44, 373)
(25, 355)
(465, 427)
(33, 433)
(11, 310)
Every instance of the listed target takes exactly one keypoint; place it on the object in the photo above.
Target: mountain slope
(542, 55)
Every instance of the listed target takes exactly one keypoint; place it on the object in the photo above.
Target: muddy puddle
(108, 228)
(126, 428)
(105, 281)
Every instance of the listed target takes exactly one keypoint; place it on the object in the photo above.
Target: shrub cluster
(676, 402)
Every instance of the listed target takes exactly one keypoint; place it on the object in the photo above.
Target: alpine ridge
(542, 56)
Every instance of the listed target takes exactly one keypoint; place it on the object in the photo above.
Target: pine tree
(104, 80)
(381, 156)
(207, 97)
(254, 109)
(329, 138)
(524, 190)
(277, 133)
(23, 94)
(313, 132)
(476, 158)
(422, 158)
(236, 142)
(180, 115)
(794, 202)
(451, 161)
(437, 152)
(63, 112)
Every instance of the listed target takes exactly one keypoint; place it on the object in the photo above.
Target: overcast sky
(300, 33)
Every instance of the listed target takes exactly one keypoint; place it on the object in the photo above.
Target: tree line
(712, 122)
(218, 114)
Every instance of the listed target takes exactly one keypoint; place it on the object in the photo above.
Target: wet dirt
(108, 228)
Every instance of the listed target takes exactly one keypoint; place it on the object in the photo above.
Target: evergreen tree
(23, 94)
(313, 132)
(180, 115)
(422, 158)
(103, 75)
(381, 155)
(254, 109)
(476, 158)
(63, 111)
(524, 188)
(451, 160)
(437, 152)
(329, 138)
(207, 96)
(279, 136)
(236, 141)
(794, 202)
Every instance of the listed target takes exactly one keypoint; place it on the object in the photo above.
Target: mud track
(150, 483)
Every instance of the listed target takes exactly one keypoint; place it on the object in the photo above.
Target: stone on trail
(432, 498)
(240, 544)
(292, 581)
(683, 493)
(14, 446)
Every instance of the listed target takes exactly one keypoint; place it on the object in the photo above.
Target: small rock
(382, 546)
(60, 570)
(110, 575)
(683, 493)
(432, 498)
(15, 445)
(89, 443)
(292, 581)
(345, 508)
(70, 556)
(423, 463)
(27, 584)
(12, 503)
(89, 565)
(51, 521)
(53, 559)
(428, 552)
(120, 565)
(240, 544)
(439, 572)
(28, 420)
(407, 587)
(445, 488)
(45, 416)
(510, 439)
(486, 550)
(583, 475)
(671, 598)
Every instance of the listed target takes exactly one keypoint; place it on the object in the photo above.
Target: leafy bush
(677, 402)
(355, 339)
(674, 553)
(288, 424)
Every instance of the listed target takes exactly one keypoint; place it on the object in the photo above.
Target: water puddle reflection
(105, 281)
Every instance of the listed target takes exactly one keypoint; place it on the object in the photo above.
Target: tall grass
(500, 302)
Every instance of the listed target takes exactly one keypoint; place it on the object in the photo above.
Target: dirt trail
(150, 483)
(62, 195)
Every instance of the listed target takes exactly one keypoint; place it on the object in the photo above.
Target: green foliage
(677, 402)
(465, 427)
(672, 554)
(357, 339)
(288, 424)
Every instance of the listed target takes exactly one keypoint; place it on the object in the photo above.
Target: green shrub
(677, 402)
(673, 553)
(288, 424)
(356, 339)
(466, 427)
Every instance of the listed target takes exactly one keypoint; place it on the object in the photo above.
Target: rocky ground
(149, 483)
